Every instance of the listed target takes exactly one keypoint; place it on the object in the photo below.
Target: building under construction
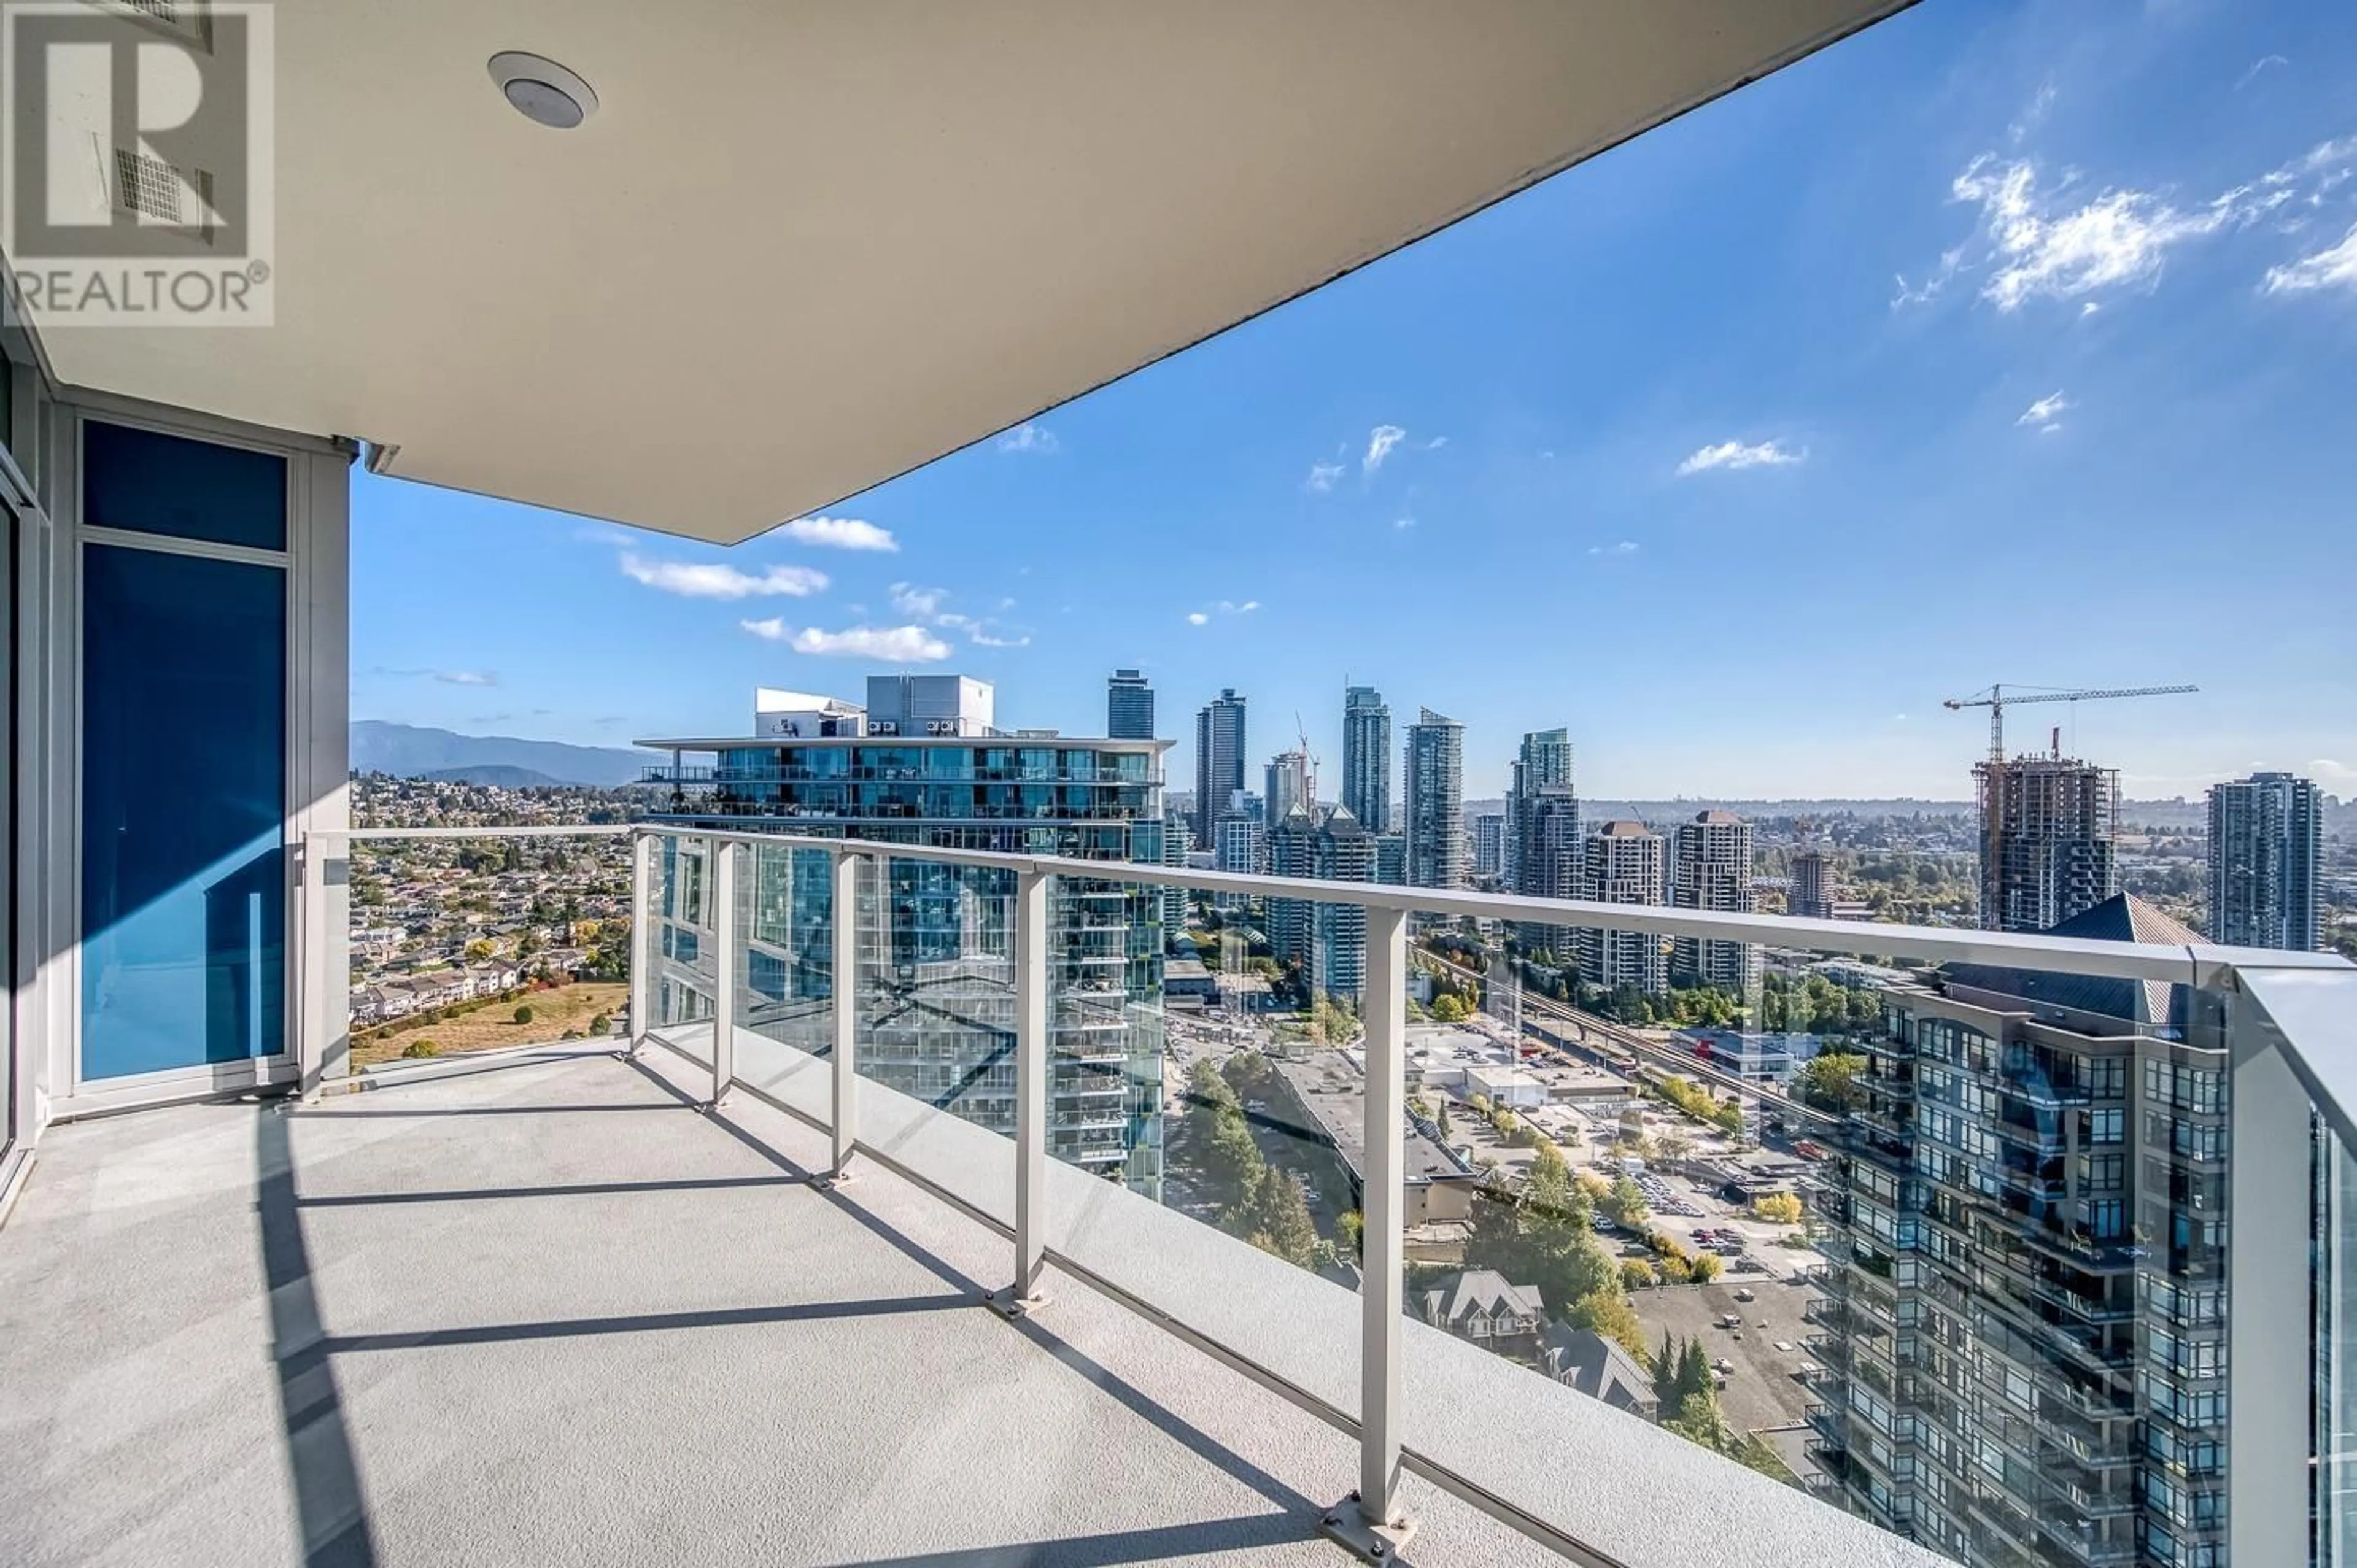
(2047, 830)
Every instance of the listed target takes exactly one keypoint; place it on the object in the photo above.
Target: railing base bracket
(829, 1182)
(1008, 1305)
(1363, 1537)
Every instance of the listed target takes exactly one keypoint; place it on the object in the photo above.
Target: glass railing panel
(1193, 1064)
(684, 995)
(935, 1005)
(2336, 1352)
(463, 945)
(1843, 1221)
(783, 969)
(1199, 1128)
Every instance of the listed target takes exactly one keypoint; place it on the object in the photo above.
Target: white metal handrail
(2278, 1080)
(533, 831)
(2188, 965)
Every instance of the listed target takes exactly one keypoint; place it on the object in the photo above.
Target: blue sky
(2000, 343)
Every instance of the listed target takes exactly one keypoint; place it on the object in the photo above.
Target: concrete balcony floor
(552, 1313)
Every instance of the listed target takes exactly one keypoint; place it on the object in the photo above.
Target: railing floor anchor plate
(1004, 1302)
(1351, 1528)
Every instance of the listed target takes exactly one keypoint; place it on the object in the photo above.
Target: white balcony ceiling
(801, 248)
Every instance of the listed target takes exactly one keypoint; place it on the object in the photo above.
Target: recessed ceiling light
(542, 90)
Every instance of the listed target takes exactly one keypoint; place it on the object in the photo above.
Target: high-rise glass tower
(1367, 759)
(935, 940)
(1436, 802)
(1288, 781)
(1327, 943)
(1713, 871)
(1542, 849)
(1129, 706)
(1219, 760)
(2021, 1355)
(1620, 862)
(2265, 845)
(1543, 764)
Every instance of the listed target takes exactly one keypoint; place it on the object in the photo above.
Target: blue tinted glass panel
(184, 798)
(145, 483)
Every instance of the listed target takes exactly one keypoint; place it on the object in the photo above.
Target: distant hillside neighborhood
(409, 751)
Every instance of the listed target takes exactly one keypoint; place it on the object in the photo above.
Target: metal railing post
(2269, 1346)
(1030, 1093)
(724, 969)
(844, 985)
(323, 1030)
(1370, 1522)
(642, 940)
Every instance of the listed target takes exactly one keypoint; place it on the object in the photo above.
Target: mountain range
(410, 751)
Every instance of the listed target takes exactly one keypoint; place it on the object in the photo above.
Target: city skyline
(1852, 369)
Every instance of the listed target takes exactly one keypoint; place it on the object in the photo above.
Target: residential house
(1584, 1360)
(1483, 1305)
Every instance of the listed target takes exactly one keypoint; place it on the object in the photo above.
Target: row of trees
(1828, 1080)
(1544, 1235)
(1687, 1391)
(1699, 1103)
(1264, 1205)
(1812, 1004)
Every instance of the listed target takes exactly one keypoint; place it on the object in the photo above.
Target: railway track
(1589, 1026)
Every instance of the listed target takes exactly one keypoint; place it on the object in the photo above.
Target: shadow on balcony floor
(230, 1335)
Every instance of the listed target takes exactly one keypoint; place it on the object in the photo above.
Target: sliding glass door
(184, 700)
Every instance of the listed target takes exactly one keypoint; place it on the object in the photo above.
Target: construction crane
(1992, 787)
(1996, 701)
(1308, 767)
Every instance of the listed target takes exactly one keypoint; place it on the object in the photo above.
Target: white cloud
(2322, 155)
(1224, 607)
(1380, 441)
(980, 633)
(2332, 268)
(714, 580)
(2018, 132)
(2257, 66)
(2041, 251)
(894, 644)
(450, 677)
(1734, 455)
(1626, 547)
(2046, 414)
(912, 600)
(925, 604)
(1030, 437)
(2040, 239)
(1322, 477)
(1435, 443)
(1403, 522)
(1929, 289)
(839, 533)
